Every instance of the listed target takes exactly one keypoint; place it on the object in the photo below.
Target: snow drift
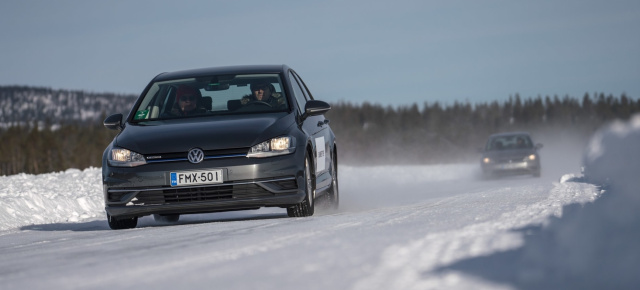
(69, 196)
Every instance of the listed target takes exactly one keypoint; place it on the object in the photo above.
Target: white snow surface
(398, 227)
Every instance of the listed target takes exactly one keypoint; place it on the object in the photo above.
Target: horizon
(592, 96)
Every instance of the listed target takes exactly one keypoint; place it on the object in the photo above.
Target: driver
(188, 102)
(262, 92)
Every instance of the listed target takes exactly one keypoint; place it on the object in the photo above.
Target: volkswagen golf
(220, 139)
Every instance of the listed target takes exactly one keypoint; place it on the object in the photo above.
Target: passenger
(188, 102)
(262, 92)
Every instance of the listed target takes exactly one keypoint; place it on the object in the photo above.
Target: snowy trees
(373, 134)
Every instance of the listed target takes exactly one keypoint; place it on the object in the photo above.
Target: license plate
(196, 177)
(514, 165)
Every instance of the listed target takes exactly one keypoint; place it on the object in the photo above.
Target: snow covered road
(395, 224)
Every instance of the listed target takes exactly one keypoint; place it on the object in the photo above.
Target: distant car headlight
(531, 157)
(274, 147)
(125, 158)
(486, 160)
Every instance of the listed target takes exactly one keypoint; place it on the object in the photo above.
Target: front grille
(195, 194)
(177, 195)
(228, 191)
(509, 160)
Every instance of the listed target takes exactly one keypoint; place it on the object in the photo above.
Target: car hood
(207, 133)
(508, 154)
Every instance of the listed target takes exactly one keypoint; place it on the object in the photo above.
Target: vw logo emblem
(195, 155)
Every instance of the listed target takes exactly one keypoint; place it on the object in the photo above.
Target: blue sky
(385, 52)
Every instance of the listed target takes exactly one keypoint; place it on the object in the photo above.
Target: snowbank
(585, 245)
(70, 196)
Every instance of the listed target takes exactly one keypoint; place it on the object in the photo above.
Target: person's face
(187, 102)
(261, 93)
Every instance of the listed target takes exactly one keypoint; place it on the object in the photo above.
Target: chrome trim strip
(166, 160)
(185, 159)
(225, 156)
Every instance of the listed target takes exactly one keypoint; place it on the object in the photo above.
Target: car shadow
(94, 225)
(149, 222)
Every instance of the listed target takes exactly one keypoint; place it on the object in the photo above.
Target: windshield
(212, 95)
(509, 142)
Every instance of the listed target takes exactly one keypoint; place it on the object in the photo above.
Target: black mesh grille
(116, 196)
(195, 194)
(172, 195)
(286, 184)
(509, 159)
(177, 195)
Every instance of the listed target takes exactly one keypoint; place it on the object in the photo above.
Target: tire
(121, 224)
(307, 206)
(169, 218)
(333, 197)
(536, 173)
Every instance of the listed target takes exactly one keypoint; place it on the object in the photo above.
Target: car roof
(509, 134)
(238, 69)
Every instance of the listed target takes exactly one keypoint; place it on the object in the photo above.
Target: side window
(298, 93)
(303, 85)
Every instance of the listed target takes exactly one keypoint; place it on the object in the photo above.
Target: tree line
(34, 149)
(367, 134)
(370, 134)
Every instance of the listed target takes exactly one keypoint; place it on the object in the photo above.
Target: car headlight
(486, 160)
(531, 157)
(125, 158)
(273, 147)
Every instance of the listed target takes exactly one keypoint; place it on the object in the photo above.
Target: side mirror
(539, 146)
(113, 122)
(315, 107)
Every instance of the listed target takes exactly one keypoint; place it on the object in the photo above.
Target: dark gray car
(220, 139)
(510, 153)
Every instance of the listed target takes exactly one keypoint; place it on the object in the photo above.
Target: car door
(318, 128)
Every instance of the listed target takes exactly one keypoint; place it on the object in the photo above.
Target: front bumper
(248, 183)
(522, 167)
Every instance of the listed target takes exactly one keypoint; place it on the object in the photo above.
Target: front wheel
(121, 224)
(486, 175)
(334, 195)
(536, 173)
(307, 206)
